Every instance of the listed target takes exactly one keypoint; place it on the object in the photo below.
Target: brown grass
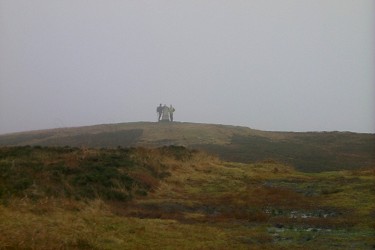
(202, 203)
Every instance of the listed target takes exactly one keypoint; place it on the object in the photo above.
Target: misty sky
(286, 65)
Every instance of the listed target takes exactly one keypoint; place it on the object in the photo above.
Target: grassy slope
(152, 134)
(310, 152)
(173, 198)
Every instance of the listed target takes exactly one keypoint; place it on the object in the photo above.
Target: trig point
(165, 113)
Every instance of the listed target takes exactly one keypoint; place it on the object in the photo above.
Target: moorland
(186, 186)
(306, 151)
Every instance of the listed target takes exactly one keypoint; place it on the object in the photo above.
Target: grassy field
(175, 198)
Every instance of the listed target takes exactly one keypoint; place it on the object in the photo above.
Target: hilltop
(307, 151)
(132, 134)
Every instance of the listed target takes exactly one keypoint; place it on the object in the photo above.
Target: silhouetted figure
(171, 110)
(159, 110)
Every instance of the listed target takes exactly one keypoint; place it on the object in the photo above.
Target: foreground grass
(93, 226)
(174, 198)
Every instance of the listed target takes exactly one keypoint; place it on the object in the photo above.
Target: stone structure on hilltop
(165, 113)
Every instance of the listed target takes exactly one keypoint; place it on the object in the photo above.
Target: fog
(287, 65)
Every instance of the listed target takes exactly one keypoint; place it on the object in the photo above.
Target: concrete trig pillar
(165, 115)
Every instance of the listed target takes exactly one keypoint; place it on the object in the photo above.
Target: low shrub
(110, 174)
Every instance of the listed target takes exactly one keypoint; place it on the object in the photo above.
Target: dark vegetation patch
(309, 152)
(19, 139)
(123, 138)
(110, 174)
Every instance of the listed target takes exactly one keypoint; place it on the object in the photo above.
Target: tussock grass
(175, 198)
(92, 226)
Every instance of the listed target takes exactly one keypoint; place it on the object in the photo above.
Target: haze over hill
(308, 151)
(287, 65)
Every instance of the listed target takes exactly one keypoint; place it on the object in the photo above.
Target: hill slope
(175, 198)
(312, 151)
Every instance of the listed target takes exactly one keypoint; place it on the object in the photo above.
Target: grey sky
(289, 65)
